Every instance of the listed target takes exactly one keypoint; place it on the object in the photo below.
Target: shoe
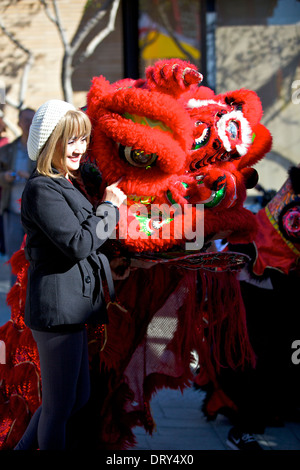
(238, 440)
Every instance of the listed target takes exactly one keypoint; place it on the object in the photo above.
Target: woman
(64, 284)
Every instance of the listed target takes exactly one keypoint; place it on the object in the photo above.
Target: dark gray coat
(64, 285)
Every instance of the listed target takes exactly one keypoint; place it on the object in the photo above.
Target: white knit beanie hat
(44, 122)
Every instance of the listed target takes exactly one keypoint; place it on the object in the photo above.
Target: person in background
(3, 141)
(3, 137)
(15, 169)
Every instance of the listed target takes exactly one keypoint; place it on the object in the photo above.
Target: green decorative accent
(124, 87)
(146, 121)
(198, 146)
(144, 224)
(202, 141)
(253, 136)
(170, 197)
(219, 195)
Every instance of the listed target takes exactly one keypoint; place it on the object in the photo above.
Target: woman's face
(76, 148)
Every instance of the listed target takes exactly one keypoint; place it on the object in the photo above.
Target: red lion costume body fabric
(183, 156)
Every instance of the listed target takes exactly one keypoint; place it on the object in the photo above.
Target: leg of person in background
(264, 394)
(13, 235)
(252, 390)
(2, 242)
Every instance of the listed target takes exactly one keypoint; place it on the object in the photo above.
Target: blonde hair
(73, 125)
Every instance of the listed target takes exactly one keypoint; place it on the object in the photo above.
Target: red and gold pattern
(279, 221)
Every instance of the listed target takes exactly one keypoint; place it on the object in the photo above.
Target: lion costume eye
(136, 157)
(233, 130)
(202, 139)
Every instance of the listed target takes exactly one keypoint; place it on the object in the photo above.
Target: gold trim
(276, 227)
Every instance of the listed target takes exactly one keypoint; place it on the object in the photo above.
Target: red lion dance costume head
(176, 143)
(184, 156)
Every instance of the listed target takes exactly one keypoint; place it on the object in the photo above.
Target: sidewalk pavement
(180, 423)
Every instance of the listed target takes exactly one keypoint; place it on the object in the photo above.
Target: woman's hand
(114, 194)
(9, 176)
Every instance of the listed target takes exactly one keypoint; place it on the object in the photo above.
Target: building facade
(235, 44)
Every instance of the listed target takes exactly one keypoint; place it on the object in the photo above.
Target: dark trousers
(65, 389)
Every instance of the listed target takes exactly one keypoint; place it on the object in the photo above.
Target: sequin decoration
(5, 426)
(291, 223)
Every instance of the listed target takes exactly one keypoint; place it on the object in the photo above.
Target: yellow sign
(161, 46)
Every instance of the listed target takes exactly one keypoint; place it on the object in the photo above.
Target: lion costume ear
(99, 89)
(173, 77)
(246, 101)
(261, 145)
